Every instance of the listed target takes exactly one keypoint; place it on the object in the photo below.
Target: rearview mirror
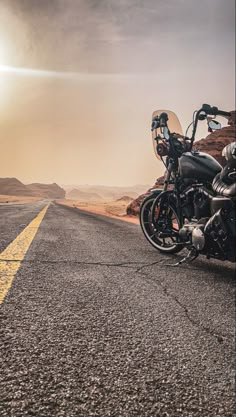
(214, 125)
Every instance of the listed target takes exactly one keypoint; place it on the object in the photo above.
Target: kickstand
(193, 254)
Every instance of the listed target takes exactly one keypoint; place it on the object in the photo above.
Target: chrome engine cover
(198, 238)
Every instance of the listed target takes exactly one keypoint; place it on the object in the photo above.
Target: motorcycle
(197, 207)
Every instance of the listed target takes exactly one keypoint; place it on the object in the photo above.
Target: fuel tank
(199, 166)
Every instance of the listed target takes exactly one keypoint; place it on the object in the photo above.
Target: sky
(79, 80)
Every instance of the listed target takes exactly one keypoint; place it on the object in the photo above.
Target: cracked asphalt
(98, 324)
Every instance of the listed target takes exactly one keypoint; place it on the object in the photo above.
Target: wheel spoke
(166, 222)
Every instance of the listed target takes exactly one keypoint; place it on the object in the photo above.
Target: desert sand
(115, 209)
(4, 199)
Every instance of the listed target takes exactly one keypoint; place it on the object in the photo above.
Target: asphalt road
(97, 324)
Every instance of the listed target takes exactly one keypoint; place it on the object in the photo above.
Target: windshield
(173, 124)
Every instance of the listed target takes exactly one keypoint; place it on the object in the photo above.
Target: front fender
(156, 191)
(168, 195)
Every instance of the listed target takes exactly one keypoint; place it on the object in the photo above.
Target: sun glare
(3, 80)
(2, 54)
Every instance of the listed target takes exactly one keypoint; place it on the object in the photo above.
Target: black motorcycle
(197, 207)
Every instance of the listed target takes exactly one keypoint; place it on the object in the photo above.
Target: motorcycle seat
(223, 189)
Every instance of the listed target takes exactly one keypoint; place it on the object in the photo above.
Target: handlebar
(209, 111)
(163, 119)
(224, 113)
(214, 111)
(160, 121)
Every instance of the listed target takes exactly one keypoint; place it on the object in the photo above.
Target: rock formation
(77, 194)
(12, 186)
(52, 191)
(213, 144)
(124, 199)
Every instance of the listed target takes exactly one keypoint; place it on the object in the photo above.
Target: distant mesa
(99, 193)
(125, 199)
(84, 196)
(12, 186)
(47, 190)
(88, 193)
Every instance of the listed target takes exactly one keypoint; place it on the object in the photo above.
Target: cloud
(113, 35)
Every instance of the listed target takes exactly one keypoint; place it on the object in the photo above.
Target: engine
(214, 236)
(210, 223)
(196, 203)
(220, 234)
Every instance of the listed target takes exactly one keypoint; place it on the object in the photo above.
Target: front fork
(166, 192)
(168, 175)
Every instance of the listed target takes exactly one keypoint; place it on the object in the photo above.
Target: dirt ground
(17, 199)
(115, 209)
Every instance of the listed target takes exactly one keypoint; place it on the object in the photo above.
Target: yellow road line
(11, 257)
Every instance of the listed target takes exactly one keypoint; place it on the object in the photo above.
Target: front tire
(163, 242)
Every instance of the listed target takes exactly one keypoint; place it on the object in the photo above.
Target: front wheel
(163, 234)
